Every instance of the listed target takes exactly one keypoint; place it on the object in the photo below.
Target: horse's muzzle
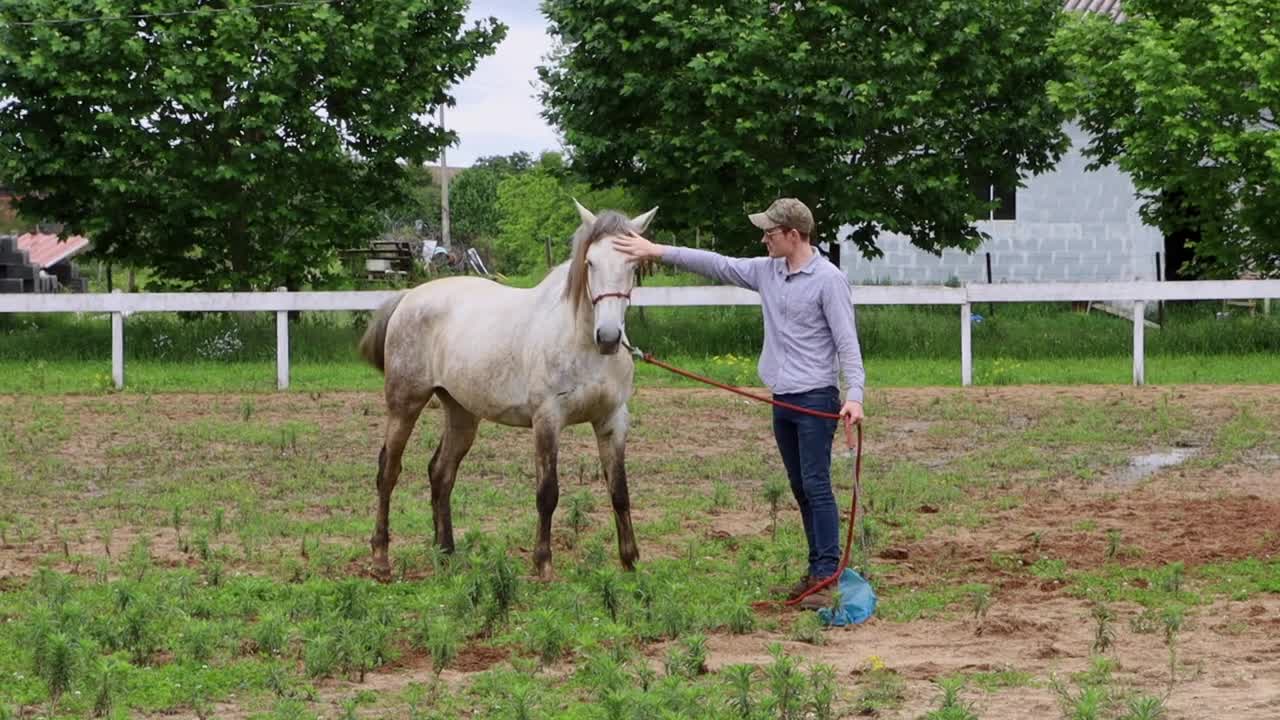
(608, 340)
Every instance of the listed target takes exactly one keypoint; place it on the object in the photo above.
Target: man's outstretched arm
(742, 272)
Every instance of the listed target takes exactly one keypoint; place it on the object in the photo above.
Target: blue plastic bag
(857, 601)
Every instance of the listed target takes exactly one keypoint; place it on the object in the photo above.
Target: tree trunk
(292, 285)
(238, 240)
(1178, 243)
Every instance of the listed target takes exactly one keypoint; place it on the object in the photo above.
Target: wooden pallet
(384, 259)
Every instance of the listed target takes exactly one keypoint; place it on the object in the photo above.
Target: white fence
(121, 305)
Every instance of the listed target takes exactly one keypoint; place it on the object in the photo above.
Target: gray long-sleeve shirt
(808, 318)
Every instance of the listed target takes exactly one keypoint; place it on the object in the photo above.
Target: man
(809, 326)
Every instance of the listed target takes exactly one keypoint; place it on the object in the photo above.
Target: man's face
(780, 241)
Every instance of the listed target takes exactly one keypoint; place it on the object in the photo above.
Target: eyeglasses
(778, 229)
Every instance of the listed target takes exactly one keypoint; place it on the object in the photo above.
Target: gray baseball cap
(789, 212)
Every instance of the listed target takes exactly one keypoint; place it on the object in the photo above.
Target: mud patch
(1149, 531)
(1141, 467)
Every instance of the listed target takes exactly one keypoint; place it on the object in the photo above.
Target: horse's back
(465, 335)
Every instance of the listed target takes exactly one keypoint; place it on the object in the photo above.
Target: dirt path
(1206, 509)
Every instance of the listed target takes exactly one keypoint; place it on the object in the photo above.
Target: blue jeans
(805, 444)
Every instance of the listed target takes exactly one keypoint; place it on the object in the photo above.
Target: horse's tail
(373, 344)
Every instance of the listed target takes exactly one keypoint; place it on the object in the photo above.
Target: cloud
(497, 111)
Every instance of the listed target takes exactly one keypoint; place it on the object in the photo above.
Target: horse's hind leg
(611, 439)
(459, 434)
(402, 415)
(546, 444)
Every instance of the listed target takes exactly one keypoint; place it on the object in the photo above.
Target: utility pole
(444, 190)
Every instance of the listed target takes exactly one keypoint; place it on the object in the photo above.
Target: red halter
(625, 296)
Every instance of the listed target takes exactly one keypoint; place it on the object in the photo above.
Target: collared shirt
(809, 330)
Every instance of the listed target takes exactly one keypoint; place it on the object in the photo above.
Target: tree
(536, 206)
(880, 115)
(417, 200)
(1186, 102)
(507, 164)
(473, 195)
(227, 144)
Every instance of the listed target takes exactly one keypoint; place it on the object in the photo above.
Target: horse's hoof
(381, 569)
(629, 557)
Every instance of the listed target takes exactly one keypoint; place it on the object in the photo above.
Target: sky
(497, 111)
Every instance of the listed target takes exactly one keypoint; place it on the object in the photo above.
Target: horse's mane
(608, 222)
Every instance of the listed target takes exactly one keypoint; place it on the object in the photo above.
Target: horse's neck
(555, 279)
(559, 310)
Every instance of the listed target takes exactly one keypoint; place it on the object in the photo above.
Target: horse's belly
(514, 416)
(507, 406)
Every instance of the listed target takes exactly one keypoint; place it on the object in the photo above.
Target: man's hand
(851, 412)
(638, 248)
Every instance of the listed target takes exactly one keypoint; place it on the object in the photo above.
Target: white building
(1067, 224)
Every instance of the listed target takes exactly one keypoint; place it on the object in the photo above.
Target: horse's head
(602, 276)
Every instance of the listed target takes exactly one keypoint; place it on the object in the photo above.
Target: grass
(176, 641)
(178, 556)
(1170, 585)
(902, 347)
(219, 565)
(997, 680)
(147, 376)
(906, 605)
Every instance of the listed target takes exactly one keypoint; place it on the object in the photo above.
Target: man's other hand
(851, 412)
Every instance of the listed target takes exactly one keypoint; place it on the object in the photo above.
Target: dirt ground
(1228, 657)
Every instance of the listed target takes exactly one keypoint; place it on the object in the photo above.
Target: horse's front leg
(546, 442)
(611, 438)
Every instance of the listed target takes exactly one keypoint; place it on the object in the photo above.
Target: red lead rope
(849, 442)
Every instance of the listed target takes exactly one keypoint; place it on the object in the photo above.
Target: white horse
(541, 358)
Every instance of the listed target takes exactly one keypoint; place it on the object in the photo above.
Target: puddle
(1143, 466)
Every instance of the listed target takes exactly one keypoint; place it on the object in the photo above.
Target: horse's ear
(585, 214)
(642, 221)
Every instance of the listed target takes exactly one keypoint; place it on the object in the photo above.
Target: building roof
(45, 249)
(1102, 7)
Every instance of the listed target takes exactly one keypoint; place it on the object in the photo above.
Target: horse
(542, 358)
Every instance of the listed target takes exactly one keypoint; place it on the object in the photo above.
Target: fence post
(282, 347)
(117, 345)
(1139, 330)
(966, 345)
(1159, 303)
(991, 309)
